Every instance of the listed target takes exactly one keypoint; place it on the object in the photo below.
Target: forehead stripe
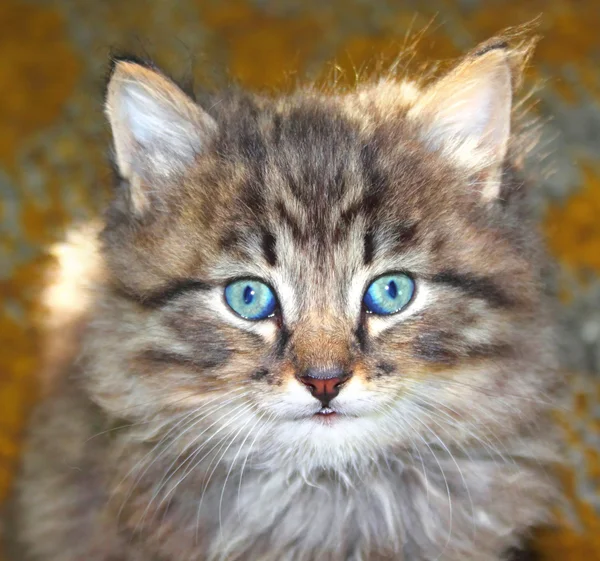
(369, 248)
(269, 248)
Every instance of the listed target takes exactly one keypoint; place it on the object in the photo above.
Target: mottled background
(53, 140)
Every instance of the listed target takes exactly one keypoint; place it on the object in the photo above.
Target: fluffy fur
(182, 432)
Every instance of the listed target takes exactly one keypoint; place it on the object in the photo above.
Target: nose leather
(324, 384)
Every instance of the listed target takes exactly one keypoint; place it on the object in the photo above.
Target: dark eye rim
(411, 276)
(275, 315)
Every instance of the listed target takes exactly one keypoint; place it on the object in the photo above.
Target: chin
(333, 441)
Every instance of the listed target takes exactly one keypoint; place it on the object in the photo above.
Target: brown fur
(441, 447)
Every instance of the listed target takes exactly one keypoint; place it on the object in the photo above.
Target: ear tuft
(491, 45)
(467, 113)
(158, 130)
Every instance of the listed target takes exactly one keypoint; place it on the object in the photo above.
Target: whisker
(197, 416)
(131, 425)
(120, 427)
(191, 426)
(390, 408)
(192, 464)
(450, 509)
(211, 474)
(453, 459)
(266, 423)
(439, 409)
(257, 422)
(140, 462)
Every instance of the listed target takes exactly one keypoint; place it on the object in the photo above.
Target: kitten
(318, 330)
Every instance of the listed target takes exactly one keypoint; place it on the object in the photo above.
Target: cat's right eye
(251, 299)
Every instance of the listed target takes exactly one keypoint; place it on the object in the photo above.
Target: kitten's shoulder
(71, 280)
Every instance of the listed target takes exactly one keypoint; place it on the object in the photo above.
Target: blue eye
(250, 299)
(389, 294)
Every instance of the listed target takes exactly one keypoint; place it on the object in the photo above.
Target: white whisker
(258, 433)
(192, 464)
(233, 461)
(448, 493)
(211, 474)
(198, 415)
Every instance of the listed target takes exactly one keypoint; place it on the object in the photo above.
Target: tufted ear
(467, 113)
(158, 131)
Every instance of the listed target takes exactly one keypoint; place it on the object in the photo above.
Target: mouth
(325, 411)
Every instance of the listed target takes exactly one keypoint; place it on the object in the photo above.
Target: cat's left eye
(251, 299)
(389, 294)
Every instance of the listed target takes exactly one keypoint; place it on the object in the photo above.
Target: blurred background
(53, 144)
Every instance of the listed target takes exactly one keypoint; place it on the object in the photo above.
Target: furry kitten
(317, 330)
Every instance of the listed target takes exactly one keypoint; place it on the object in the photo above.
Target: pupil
(392, 290)
(248, 295)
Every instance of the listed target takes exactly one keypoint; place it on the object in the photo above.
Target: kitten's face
(324, 269)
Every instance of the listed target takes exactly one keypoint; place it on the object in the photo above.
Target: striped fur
(184, 433)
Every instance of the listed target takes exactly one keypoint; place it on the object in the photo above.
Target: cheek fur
(386, 201)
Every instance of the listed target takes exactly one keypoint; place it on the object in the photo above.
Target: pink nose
(324, 385)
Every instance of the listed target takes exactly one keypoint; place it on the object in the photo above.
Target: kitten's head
(332, 275)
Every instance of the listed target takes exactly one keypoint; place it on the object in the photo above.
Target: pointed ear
(467, 113)
(157, 129)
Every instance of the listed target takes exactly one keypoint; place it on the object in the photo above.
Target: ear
(158, 131)
(467, 114)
